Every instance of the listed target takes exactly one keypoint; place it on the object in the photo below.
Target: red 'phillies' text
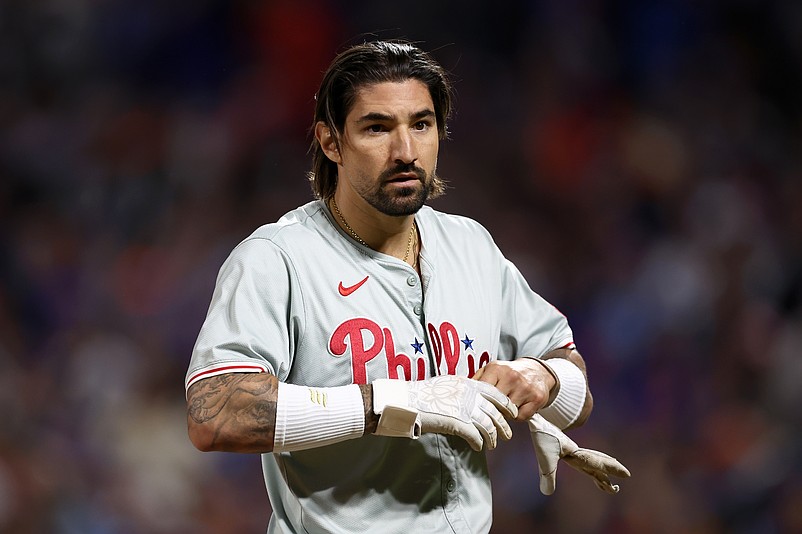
(367, 340)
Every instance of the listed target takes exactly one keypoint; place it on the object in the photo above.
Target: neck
(396, 236)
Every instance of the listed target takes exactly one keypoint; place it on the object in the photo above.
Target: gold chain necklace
(412, 232)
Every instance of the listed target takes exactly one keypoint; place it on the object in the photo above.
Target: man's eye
(375, 128)
(421, 125)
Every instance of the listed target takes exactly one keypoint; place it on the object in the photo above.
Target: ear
(327, 141)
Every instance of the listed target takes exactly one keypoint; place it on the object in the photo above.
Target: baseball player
(370, 347)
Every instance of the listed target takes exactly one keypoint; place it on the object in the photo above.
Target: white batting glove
(551, 444)
(452, 405)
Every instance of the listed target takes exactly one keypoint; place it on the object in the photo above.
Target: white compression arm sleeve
(570, 399)
(308, 417)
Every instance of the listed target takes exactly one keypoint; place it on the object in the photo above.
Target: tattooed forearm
(233, 412)
(208, 397)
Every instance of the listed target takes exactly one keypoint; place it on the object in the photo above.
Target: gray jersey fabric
(302, 300)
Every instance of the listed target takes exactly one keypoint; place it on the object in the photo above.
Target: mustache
(403, 168)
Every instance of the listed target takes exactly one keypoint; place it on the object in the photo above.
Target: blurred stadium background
(641, 162)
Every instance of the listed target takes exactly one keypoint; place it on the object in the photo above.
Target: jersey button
(417, 309)
(412, 280)
(451, 486)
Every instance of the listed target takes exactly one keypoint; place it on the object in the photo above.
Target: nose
(402, 148)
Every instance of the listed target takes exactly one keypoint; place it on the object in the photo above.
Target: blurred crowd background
(641, 162)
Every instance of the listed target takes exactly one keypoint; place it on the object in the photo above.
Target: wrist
(308, 417)
(567, 399)
(391, 404)
(371, 418)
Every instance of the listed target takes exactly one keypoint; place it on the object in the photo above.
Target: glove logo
(318, 397)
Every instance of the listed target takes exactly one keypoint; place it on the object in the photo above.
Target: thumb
(547, 451)
(454, 427)
(548, 483)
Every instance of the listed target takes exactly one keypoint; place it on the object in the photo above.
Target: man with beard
(356, 346)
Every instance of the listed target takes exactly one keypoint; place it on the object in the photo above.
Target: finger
(606, 486)
(471, 434)
(478, 374)
(611, 465)
(547, 450)
(514, 384)
(526, 410)
(503, 376)
(486, 427)
(500, 400)
(617, 469)
(547, 461)
(598, 466)
(598, 461)
(494, 419)
(548, 482)
(488, 373)
(603, 483)
(522, 392)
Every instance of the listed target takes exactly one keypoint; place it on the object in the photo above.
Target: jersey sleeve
(531, 325)
(254, 318)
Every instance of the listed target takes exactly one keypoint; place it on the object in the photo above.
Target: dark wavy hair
(368, 64)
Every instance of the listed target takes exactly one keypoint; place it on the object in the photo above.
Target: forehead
(399, 99)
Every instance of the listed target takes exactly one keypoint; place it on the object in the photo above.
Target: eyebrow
(384, 117)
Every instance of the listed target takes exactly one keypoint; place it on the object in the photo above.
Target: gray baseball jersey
(302, 300)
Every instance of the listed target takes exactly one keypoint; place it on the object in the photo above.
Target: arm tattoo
(239, 409)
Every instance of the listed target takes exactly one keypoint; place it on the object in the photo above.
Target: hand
(452, 405)
(551, 444)
(525, 381)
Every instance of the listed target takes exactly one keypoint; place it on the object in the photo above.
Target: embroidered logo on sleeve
(317, 396)
(345, 291)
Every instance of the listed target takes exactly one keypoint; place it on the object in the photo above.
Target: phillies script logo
(366, 340)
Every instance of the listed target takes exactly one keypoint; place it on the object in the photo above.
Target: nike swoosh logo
(345, 291)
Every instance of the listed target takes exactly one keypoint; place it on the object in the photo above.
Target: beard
(400, 201)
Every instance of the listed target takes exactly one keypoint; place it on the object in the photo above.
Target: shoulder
(453, 227)
(450, 221)
(296, 232)
(304, 220)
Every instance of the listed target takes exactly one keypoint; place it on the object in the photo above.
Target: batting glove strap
(396, 417)
(551, 444)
